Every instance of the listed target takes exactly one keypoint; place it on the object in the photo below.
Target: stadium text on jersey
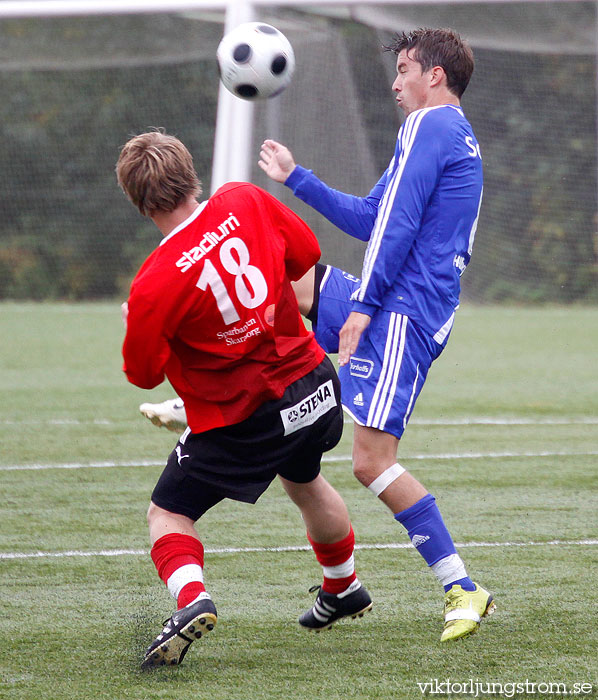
(207, 243)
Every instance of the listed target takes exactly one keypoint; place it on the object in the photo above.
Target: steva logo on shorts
(309, 409)
(360, 368)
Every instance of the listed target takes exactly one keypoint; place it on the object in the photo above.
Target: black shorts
(286, 436)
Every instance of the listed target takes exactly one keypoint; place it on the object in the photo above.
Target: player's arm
(353, 215)
(302, 250)
(145, 349)
(399, 219)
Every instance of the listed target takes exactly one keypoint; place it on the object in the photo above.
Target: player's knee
(152, 513)
(365, 472)
(377, 476)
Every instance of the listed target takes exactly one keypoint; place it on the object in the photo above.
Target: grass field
(505, 435)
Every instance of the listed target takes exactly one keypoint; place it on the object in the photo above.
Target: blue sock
(428, 533)
(466, 584)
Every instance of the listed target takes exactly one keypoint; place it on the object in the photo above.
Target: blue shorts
(334, 304)
(381, 383)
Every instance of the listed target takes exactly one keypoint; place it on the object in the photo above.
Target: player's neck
(443, 97)
(167, 221)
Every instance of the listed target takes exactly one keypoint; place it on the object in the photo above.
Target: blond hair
(155, 171)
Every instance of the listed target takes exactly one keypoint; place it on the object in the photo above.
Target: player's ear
(437, 76)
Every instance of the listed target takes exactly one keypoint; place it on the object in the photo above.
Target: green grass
(76, 626)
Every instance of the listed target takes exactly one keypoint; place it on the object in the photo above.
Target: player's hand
(124, 310)
(349, 335)
(276, 160)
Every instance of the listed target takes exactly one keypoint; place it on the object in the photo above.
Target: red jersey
(212, 308)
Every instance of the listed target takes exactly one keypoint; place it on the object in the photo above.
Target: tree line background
(67, 232)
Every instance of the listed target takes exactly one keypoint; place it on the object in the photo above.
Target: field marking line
(64, 421)
(83, 465)
(436, 422)
(299, 548)
(331, 459)
(477, 455)
(578, 420)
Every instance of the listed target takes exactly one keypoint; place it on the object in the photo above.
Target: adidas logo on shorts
(418, 540)
(358, 400)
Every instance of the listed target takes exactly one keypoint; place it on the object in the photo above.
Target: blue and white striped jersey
(420, 219)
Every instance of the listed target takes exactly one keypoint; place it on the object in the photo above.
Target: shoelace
(453, 599)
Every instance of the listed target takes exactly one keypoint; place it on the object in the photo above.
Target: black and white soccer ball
(256, 61)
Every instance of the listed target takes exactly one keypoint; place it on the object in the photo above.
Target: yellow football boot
(463, 611)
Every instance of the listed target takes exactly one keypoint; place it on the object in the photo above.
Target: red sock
(179, 561)
(337, 561)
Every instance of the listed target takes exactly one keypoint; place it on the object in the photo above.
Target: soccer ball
(255, 61)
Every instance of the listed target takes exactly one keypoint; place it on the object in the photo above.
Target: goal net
(74, 89)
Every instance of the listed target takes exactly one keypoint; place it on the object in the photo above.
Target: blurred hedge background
(75, 89)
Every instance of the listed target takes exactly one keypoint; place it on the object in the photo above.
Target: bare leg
(323, 510)
(373, 452)
(162, 522)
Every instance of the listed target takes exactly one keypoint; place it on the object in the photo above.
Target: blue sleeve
(425, 141)
(353, 215)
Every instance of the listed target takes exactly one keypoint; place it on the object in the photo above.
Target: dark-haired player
(420, 221)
